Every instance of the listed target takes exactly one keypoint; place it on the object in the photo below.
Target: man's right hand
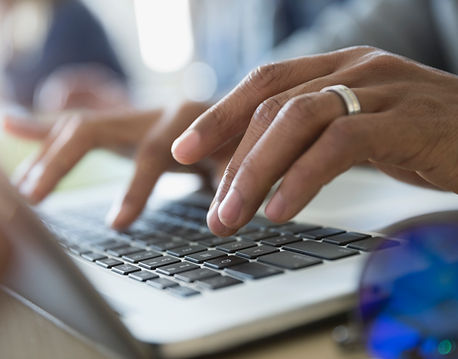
(149, 135)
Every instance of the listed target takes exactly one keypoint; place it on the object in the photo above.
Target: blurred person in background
(423, 30)
(57, 56)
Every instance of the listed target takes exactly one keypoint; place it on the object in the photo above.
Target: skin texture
(147, 135)
(4, 254)
(408, 128)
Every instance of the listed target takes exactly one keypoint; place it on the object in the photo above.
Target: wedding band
(348, 97)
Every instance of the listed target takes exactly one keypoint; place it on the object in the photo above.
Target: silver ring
(348, 97)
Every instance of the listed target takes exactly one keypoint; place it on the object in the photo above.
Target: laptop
(167, 287)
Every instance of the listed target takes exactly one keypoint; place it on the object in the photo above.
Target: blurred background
(58, 55)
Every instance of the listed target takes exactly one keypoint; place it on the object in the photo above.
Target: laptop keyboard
(171, 249)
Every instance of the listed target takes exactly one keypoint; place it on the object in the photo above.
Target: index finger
(231, 116)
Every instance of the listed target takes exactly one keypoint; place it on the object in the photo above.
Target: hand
(149, 134)
(408, 128)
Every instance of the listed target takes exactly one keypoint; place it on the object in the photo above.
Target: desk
(26, 334)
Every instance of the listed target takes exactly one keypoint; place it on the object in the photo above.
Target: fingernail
(276, 207)
(231, 207)
(185, 144)
(214, 223)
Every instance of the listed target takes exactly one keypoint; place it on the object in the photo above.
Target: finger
(150, 165)
(153, 159)
(23, 172)
(295, 127)
(25, 128)
(232, 114)
(260, 122)
(407, 176)
(346, 141)
(62, 155)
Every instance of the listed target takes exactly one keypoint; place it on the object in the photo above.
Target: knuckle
(302, 109)
(266, 112)
(263, 76)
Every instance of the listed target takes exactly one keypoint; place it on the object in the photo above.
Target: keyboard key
(294, 228)
(320, 250)
(181, 291)
(344, 238)
(258, 236)
(92, 256)
(125, 269)
(108, 262)
(78, 250)
(218, 282)
(205, 256)
(197, 274)
(289, 260)
(161, 283)
(321, 233)
(119, 252)
(255, 252)
(280, 240)
(177, 268)
(252, 271)
(184, 251)
(198, 236)
(110, 244)
(224, 262)
(143, 276)
(372, 244)
(216, 241)
(154, 263)
(236, 246)
(141, 256)
(169, 244)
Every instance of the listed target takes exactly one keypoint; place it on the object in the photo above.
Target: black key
(320, 250)
(295, 228)
(108, 262)
(247, 229)
(177, 268)
(184, 251)
(289, 260)
(255, 252)
(141, 256)
(258, 236)
(321, 233)
(280, 240)
(204, 256)
(198, 274)
(169, 244)
(217, 282)
(92, 256)
(344, 238)
(252, 271)
(143, 276)
(110, 244)
(161, 283)
(224, 262)
(154, 263)
(125, 269)
(374, 243)
(119, 252)
(216, 241)
(236, 246)
(181, 291)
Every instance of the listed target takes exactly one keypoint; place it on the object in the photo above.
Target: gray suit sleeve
(404, 27)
